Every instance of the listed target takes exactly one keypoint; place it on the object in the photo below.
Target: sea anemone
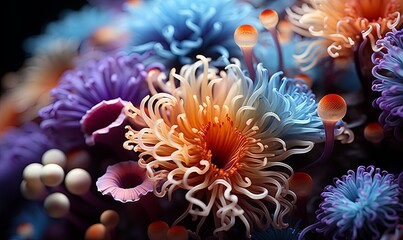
(117, 76)
(179, 30)
(388, 71)
(222, 139)
(342, 26)
(360, 205)
(74, 26)
(38, 76)
(125, 182)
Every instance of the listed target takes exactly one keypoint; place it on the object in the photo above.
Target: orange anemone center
(223, 145)
(369, 9)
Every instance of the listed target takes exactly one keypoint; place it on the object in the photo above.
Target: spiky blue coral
(179, 30)
(116, 76)
(295, 105)
(73, 27)
(388, 71)
(18, 148)
(360, 205)
(292, 101)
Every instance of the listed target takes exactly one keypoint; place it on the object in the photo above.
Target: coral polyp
(80, 89)
(388, 71)
(203, 119)
(226, 150)
(341, 26)
(177, 31)
(360, 205)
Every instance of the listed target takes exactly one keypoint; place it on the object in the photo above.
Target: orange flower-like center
(371, 10)
(223, 145)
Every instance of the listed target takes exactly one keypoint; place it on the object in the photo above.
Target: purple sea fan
(388, 71)
(118, 76)
(179, 30)
(360, 205)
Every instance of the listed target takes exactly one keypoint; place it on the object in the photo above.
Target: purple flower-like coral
(125, 182)
(388, 71)
(119, 76)
(360, 205)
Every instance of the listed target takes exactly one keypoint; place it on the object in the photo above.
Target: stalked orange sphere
(285, 31)
(177, 233)
(246, 36)
(301, 184)
(269, 18)
(157, 230)
(373, 132)
(332, 108)
(97, 232)
(306, 78)
(110, 218)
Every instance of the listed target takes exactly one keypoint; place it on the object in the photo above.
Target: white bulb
(32, 172)
(54, 156)
(32, 190)
(52, 174)
(56, 205)
(78, 181)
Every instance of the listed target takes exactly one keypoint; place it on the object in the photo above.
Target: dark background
(22, 19)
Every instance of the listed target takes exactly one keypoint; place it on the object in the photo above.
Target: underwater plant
(177, 31)
(226, 150)
(360, 205)
(388, 71)
(79, 90)
(342, 27)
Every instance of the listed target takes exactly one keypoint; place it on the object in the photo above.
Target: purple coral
(360, 205)
(118, 76)
(388, 71)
